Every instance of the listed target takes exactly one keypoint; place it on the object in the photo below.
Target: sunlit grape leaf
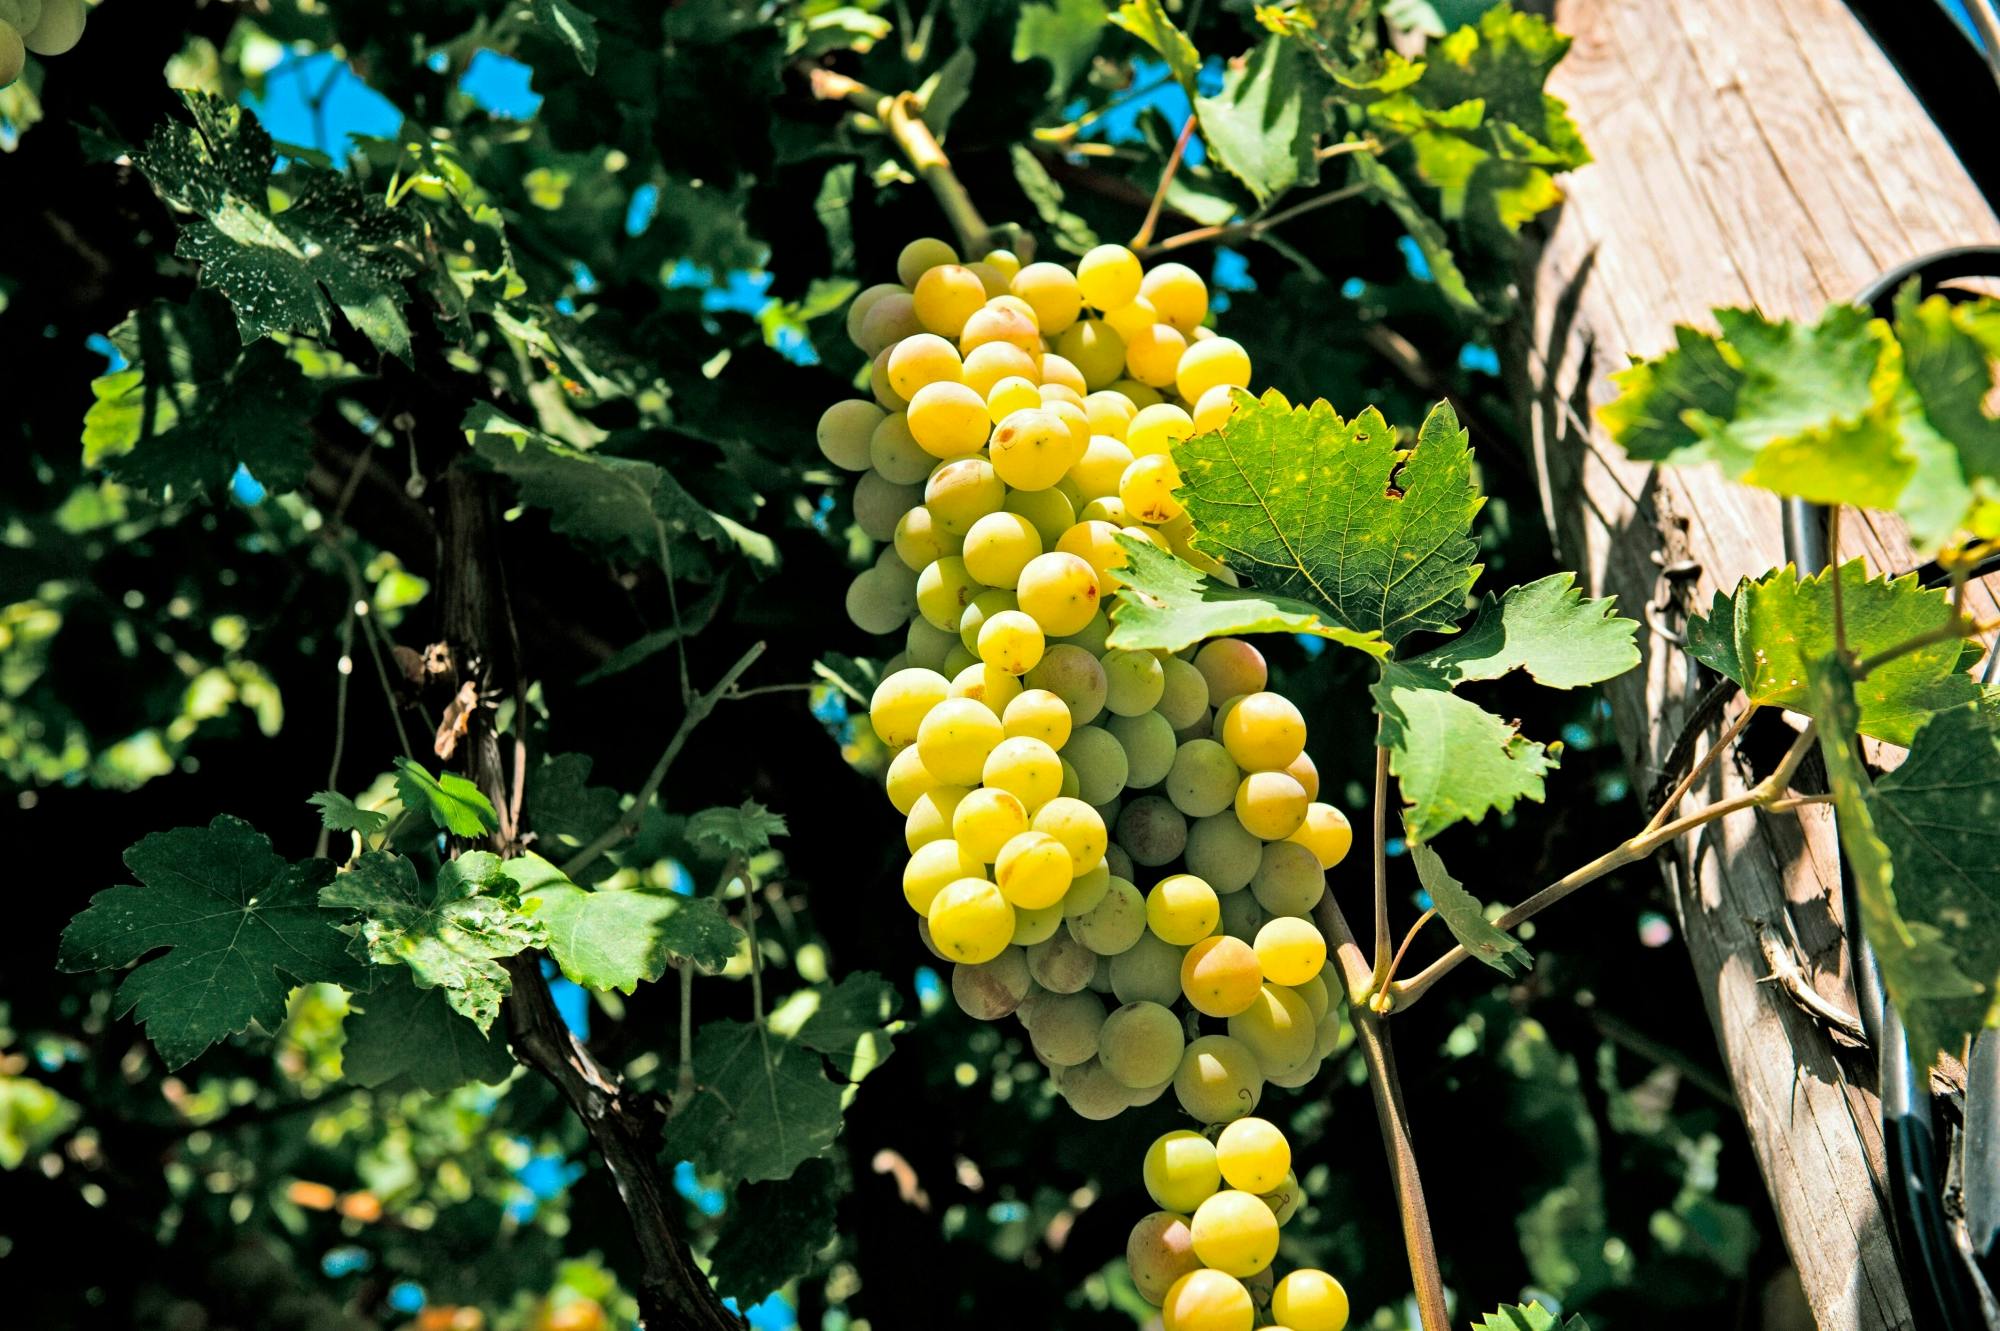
(593, 498)
(236, 927)
(1452, 759)
(1939, 814)
(1264, 126)
(1660, 399)
(341, 814)
(450, 933)
(400, 1037)
(1147, 20)
(771, 1232)
(1526, 1317)
(1765, 633)
(744, 830)
(1340, 513)
(448, 799)
(569, 24)
(1889, 850)
(613, 938)
(1465, 916)
(850, 1021)
(1545, 628)
(1949, 350)
(762, 1105)
(284, 269)
(1168, 603)
(191, 405)
(1063, 32)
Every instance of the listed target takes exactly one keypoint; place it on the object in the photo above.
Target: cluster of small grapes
(1205, 1256)
(46, 27)
(1082, 820)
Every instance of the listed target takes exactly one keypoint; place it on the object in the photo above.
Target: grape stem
(1250, 228)
(1765, 795)
(902, 113)
(696, 713)
(1393, 1117)
(1144, 236)
(1396, 962)
(1382, 966)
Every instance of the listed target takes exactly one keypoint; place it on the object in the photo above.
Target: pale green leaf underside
(1465, 916)
(1452, 759)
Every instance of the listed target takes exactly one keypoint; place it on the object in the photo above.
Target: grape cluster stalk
(1120, 849)
(46, 27)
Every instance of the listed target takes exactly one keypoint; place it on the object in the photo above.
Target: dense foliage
(424, 665)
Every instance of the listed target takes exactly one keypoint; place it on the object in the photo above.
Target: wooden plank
(1760, 154)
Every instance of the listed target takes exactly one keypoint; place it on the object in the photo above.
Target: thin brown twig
(1696, 769)
(1381, 963)
(1144, 236)
(1251, 227)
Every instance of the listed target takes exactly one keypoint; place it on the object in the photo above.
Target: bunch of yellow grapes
(1083, 821)
(46, 27)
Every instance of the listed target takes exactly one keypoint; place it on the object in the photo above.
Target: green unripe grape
(1309, 1300)
(1235, 1232)
(1060, 591)
(1182, 909)
(845, 429)
(894, 454)
(1149, 747)
(920, 256)
(983, 606)
(1253, 1155)
(1078, 826)
(970, 921)
(1290, 951)
(1242, 917)
(1180, 1171)
(879, 504)
(933, 867)
(1232, 668)
(1277, 1029)
(1142, 395)
(1112, 926)
(1219, 975)
(888, 321)
(1332, 1033)
(992, 989)
(1095, 349)
(986, 820)
(1288, 880)
(1153, 833)
(1066, 1027)
(1033, 925)
(957, 661)
(1092, 637)
(1316, 995)
(879, 602)
(1219, 1079)
(1133, 682)
(944, 590)
(1087, 889)
(1202, 779)
(1037, 714)
(1101, 467)
(1099, 761)
(1091, 1091)
(1271, 804)
(1285, 1199)
(857, 311)
(1062, 965)
(1148, 971)
(1120, 863)
(1158, 1252)
(1141, 1045)
(1221, 851)
(1183, 694)
(955, 737)
(1049, 510)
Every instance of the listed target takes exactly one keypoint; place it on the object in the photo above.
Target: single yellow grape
(1033, 870)
(1036, 714)
(907, 778)
(1220, 976)
(1265, 732)
(962, 491)
(1181, 909)
(1009, 395)
(1131, 319)
(1109, 276)
(1219, 1079)
(1180, 1170)
(998, 546)
(1180, 296)
(1153, 355)
(955, 737)
(1290, 950)
(1207, 1301)
(1053, 292)
(1232, 668)
(970, 921)
(1208, 362)
(929, 818)
(986, 820)
(948, 419)
(1147, 488)
(1011, 641)
(1234, 1232)
(1253, 1155)
(1156, 429)
(1309, 1300)
(1325, 833)
(990, 362)
(1277, 1029)
(1059, 373)
(923, 359)
(1032, 449)
(1000, 322)
(1061, 592)
(1110, 413)
(934, 866)
(920, 256)
(944, 589)
(1214, 408)
(1078, 826)
(946, 296)
(1270, 804)
(1027, 768)
(901, 701)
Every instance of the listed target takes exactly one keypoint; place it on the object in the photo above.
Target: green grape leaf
(1889, 844)
(1948, 353)
(772, 1232)
(191, 405)
(1545, 628)
(1167, 604)
(1452, 759)
(592, 498)
(1265, 125)
(565, 812)
(451, 801)
(1147, 20)
(614, 938)
(851, 1021)
(1070, 232)
(1065, 33)
(1339, 513)
(762, 1105)
(451, 935)
(333, 244)
(236, 927)
(342, 814)
(569, 24)
(1526, 1317)
(1659, 400)
(1387, 188)
(402, 1038)
(744, 830)
(1939, 815)
(1465, 916)
(1765, 633)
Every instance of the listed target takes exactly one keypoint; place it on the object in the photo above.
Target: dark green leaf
(450, 801)
(1264, 128)
(762, 1105)
(402, 1038)
(850, 1021)
(1063, 32)
(1385, 187)
(772, 1232)
(614, 938)
(450, 934)
(1465, 916)
(567, 23)
(566, 813)
(744, 830)
(342, 814)
(1072, 233)
(236, 926)
(1339, 513)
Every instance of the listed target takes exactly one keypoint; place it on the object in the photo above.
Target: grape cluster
(46, 27)
(1084, 820)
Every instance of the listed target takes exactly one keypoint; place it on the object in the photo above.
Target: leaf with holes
(235, 926)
